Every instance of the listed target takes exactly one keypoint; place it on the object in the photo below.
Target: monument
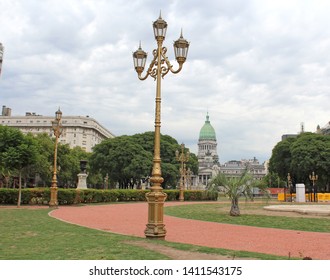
(300, 193)
(82, 176)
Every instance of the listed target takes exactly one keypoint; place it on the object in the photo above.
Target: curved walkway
(131, 218)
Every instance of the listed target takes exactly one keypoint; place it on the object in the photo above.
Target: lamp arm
(151, 70)
(170, 66)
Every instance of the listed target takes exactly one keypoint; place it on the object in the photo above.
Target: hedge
(74, 196)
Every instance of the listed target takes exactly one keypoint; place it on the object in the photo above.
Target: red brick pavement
(131, 218)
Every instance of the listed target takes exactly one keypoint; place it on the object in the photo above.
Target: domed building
(208, 159)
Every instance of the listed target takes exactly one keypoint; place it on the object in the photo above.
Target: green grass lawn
(30, 234)
(220, 213)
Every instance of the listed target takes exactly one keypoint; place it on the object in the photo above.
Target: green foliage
(301, 156)
(16, 150)
(280, 160)
(125, 159)
(35, 155)
(76, 196)
(128, 159)
(272, 180)
(29, 196)
(235, 187)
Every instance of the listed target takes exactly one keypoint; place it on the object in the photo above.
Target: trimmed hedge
(74, 196)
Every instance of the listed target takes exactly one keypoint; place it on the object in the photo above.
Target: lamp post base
(181, 195)
(53, 197)
(155, 228)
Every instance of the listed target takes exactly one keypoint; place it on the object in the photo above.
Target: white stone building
(235, 168)
(208, 159)
(84, 132)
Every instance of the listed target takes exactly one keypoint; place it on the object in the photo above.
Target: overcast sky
(260, 68)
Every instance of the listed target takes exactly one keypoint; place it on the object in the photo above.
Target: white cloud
(259, 67)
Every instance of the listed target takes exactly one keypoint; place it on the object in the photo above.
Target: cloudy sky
(260, 68)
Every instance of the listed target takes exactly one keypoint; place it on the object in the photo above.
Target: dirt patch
(282, 214)
(176, 254)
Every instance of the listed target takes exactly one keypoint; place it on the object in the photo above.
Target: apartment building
(81, 131)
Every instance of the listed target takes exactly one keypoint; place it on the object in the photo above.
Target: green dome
(207, 131)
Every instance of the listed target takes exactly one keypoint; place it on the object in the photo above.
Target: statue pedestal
(300, 193)
(82, 178)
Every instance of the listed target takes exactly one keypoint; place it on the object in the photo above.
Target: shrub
(75, 196)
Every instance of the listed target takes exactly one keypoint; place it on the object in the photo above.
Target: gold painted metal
(183, 158)
(189, 178)
(158, 68)
(313, 177)
(290, 187)
(57, 127)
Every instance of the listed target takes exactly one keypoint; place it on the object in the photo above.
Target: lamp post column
(289, 188)
(182, 158)
(314, 178)
(158, 68)
(156, 198)
(57, 132)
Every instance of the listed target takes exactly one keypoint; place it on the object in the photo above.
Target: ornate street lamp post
(189, 178)
(314, 178)
(1, 56)
(289, 188)
(57, 127)
(183, 158)
(159, 67)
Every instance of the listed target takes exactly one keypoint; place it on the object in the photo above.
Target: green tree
(311, 152)
(128, 159)
(280, 161)
(19, 154)
(301, 156)
(168, 146)
(235, 187)
(45, 157)
(272, 180)
(124, 160)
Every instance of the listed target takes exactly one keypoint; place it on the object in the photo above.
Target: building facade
(235, 168)
(84, 132)
(325, 130)
(208, 159)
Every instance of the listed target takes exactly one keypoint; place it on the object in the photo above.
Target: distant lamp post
(189, 178)
(106, 181)
(182, 158)
(289, 188)
(1, 56)
(158, 68)
(313, 177)
(57, 128)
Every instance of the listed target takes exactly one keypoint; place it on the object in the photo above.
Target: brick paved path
(131, 218)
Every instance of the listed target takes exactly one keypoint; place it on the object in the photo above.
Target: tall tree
(301, 156)
(280, 161)
(20, 156)
(311, 152)
(127, 159)
(124, 160)
(44, 162)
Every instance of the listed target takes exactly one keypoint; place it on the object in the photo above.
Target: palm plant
(235, 187)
